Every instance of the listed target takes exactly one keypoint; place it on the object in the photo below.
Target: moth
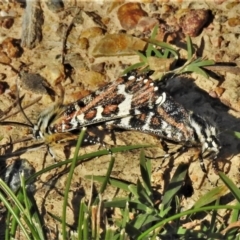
(134, 102)
(118, 99)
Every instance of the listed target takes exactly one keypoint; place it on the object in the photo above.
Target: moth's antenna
(15, 123)
(28, 105)
(5, 112)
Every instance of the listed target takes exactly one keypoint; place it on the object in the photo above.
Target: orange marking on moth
(109, 109)
(91, 114)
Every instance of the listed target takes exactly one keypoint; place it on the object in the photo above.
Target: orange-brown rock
(129, 15)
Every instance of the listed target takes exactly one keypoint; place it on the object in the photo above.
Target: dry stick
(33, 148)
(20, 105)
(28, 105)
(67, 33)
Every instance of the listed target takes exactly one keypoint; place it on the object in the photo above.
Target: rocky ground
(83, 45)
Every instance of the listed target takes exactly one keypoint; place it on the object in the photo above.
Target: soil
(76, 34)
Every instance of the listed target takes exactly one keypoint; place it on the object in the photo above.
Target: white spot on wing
(99, 112)
(76, 107)
(161, 99)
(131, 78)
(136, 112)
(125, 106)
(148, 121)
(125, 122)
(79, 119)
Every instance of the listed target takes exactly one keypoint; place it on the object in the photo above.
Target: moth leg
(168, 154)
(215, 165)
(202, 165)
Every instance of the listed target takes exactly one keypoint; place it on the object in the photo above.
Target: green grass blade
(142, 57)
(190, 49)
(136, 204)
(133, 67)
(175, 185)
(232, 232)
(113, 182)
(146, 175)
(160, 224)
(194, 69)
(25, 199)
(109, 232)
(211, 196)
(9, 207)
(11, 195)
(163, 45)
(150, 47)
(125, 216)
(81, 219)
(105, 179)
(231, 186)
(108, 174)
(235, 214)
(116, 203)
(213, 221)
(143, 195)
(17, 209)
(236, 134)
(154, 32)
(133, 189)
(166, 53)
(86, 226)
(202, 63)
(68, 183)
(31, 212)
(144, 219)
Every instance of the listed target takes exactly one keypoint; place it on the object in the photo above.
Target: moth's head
(207, 134)
(45, 119)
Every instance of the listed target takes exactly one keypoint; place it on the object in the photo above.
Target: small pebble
(233, 22)
(12, 47)
(3, 87)
(118, 44)
(33, 82)
(129, 15)
(7, 22)
(193, 21)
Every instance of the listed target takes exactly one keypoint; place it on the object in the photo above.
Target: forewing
(116, 100)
